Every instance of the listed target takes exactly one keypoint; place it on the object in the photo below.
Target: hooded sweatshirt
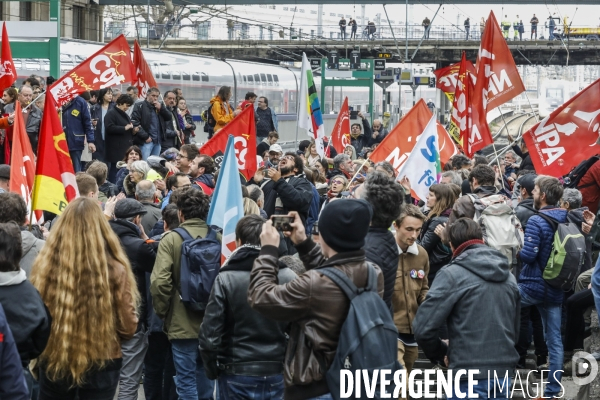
(31, 248)
(478, 297)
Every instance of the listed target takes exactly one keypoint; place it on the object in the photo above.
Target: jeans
(99, 385)
(481, 389)
(76, 159)
(240, 387)
(150, 149)
(551, 318)
(531, 316)
(134, 351)
(467, 33)
(343, 33)
(191, 380)
(576, 306)
(323, 397)
(551, 34)
(159, 368)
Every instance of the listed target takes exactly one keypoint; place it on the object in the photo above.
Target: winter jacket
(174, 135)
(222, 113)
(142, 117)
(478, 298)
(525, 210)
(77, 124)
(526, 163)
(12, 380)
(314, 305)
(266, 121)
(206, 183)
(121, 174)
(232, 333)
(31, 248)
(381, 249)
(118, 140)
(590, 188)
(151, 217)
(189, 119)
(362, 140)
(141, 255)
(537, 247)
(109, 189)
(439, 253)
(126, 315)
(165, 284)
(382, 134)
(576, 217)
(410, 291)
(314, 210)
(34, 120)
(29, 319)
(96, 113)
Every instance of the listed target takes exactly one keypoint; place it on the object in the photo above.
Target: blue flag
(227, 206)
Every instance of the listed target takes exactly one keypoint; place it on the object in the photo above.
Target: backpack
(566, 259)
(571, 180)
(209, 120)
(500, 226)
(369, 325)
(200, 264)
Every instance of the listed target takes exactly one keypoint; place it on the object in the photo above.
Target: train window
(244, 78)
(256, 78)
(176, 74)
(263, 78)
(276, 79)
(156, 69)
(250, 79)
(196, 77)
(165, 73)
(204, 77)
(185, 76)
(270, 79)
(554, 93)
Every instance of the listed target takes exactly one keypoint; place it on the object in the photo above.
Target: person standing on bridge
(481, 27)
(467, 28)
(534, 23)
(353, 25)
(426, 23)
(551, 26)
(343, 28)
(521, 29)
(505, 27)
(516, 28)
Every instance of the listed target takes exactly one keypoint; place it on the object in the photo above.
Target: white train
(553, 94)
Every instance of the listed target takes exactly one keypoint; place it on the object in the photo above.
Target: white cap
(275, 148)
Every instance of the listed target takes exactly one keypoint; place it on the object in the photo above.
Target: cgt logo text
(461, 383)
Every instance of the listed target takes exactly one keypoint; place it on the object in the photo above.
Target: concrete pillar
(320, 21)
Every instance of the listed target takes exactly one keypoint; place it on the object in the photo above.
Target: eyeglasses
(337, 182)
(179, 156)
(288, 158)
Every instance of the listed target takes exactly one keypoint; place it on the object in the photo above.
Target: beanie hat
(344, 223)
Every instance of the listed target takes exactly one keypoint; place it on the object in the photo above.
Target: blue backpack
(200, 264)
(369, 325)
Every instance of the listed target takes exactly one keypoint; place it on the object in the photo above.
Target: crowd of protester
(101, 284)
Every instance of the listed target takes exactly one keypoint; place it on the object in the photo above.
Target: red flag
(567, 136)
(109, 66)
(340, 135)
(243, 128)
(446, 77)
(398, 144)
(8, 72)
(22, 171)
(55, 184)
(498, 81)
(461, 108)
(144, 79)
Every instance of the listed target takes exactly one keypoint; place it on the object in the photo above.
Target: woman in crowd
(323, 167)
(91, 293)
(98, 113)
(132, 154)
(28, 317)
(440, 200)
(9, 96)
(186, 122)
(337, 185)
(350, 151)
(120, 134)
(138, 171)
(221, 110)
(250, 207)
(311, 156)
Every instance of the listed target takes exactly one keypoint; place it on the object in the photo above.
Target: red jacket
(591, 191)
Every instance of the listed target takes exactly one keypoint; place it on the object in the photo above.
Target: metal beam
(506, 3)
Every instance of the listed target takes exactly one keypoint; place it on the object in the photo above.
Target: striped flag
(309, 113)
(55, 184)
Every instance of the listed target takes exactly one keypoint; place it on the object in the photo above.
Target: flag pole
(356, 173)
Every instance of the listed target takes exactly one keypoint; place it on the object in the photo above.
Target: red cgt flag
(398, 144)
(461, 108)
(568, 136)
(144, 79)
(8, 72)
(22, 171)
(498, 81)
(109, 66)
(446, 77)
(340, 136)
(243, 128)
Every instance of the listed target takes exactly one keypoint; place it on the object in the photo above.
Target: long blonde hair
(72, 274)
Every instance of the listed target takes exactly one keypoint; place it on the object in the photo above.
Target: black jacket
(118, 140)
(96, 113)
(526, 163)
(27, 316)
(381, 249)
(524, 211)
(232, 333)
(479, 300)
(142, 115)
(172, 133)
(363, 140)
(295, 194)
(439, 254)
(576, 217)
(188, 131)
(141, 255)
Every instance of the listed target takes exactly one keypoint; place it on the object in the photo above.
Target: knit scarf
(181, 122)
(464, 246)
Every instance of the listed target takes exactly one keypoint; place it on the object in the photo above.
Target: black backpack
(200, 264)
(571, 180)
(369, 325)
